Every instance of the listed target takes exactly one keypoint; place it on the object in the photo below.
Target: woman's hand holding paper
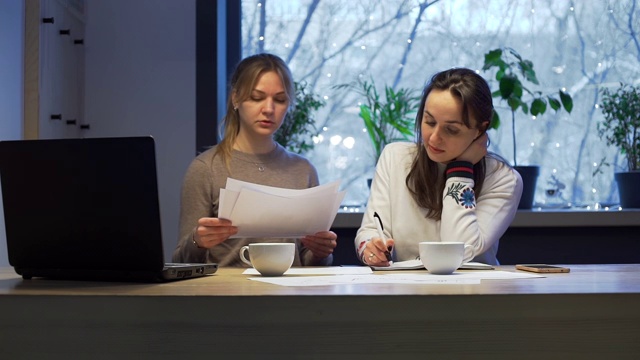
(321, 244)
(212, 231)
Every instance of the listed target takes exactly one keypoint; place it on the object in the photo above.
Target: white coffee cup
(442, 258)
(270, 259)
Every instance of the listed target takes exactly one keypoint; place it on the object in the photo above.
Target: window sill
(533, 218)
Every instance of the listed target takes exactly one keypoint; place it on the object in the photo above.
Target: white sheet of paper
(356, 279)
(263, 215)
(480, 275)
(265, 211)
(474, 277)
(329, 270)
(237, 185)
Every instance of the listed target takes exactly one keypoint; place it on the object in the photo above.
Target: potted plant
(512, 73)
(387, 119)
(621, 127)
(298, 127)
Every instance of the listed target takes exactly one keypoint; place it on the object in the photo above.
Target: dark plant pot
(628, 184)
(529, 176)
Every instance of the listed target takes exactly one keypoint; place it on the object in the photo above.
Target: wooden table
(591, 312)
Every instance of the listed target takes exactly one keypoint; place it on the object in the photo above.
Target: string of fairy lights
(536, 18)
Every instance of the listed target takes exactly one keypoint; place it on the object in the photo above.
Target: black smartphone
(542, 268)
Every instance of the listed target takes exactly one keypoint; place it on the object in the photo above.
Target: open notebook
(417, 264)
(86, 209)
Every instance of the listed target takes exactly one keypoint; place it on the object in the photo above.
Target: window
(579, 46)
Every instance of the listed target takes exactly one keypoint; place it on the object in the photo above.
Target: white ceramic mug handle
(242, 257)
(466, 246)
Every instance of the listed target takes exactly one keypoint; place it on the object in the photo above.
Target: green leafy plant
(387, 119)
(298, 127)
(512, 73)
(621, 124)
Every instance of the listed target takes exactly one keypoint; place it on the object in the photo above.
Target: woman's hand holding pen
(377, 252)
(321, 244)
(379, 248)
(212, 231)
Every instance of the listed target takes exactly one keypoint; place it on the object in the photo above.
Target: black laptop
(86, 209)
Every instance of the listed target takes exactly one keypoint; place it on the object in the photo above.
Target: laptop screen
(81, 204)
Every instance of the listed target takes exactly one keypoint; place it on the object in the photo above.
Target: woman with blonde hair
(261, 93)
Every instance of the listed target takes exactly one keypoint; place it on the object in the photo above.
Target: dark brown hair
(424, 182)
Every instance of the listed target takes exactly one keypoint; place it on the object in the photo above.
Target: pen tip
(388, 256)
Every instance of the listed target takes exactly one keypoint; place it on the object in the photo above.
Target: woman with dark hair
(446, 186)
(261, 92)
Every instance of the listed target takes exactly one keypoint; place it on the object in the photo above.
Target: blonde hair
(243, 81)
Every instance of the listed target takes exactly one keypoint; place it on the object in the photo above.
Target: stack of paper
(265, 211)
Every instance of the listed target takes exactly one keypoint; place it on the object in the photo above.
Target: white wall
(11, 39)
(140, 80)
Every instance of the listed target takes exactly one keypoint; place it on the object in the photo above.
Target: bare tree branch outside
(580, 46)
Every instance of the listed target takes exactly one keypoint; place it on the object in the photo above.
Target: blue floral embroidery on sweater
(462, 194)
(468, 198)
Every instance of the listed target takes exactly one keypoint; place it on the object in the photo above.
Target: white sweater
(480, 226)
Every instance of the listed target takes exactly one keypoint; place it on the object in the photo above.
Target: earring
(235, 108)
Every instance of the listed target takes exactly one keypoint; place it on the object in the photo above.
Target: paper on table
(456, 278)
(482, 275)
(328, 270)
(357, 279)
(417, 265)
(266, 211)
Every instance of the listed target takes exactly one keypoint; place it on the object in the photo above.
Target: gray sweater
(200, 198)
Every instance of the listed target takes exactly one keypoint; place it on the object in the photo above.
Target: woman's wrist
(195, 242)
(459, 169)
(361, 248)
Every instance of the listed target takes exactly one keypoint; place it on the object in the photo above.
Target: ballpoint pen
(380, 228)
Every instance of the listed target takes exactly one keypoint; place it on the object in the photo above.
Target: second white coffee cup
(442, 258)
(270, 259)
